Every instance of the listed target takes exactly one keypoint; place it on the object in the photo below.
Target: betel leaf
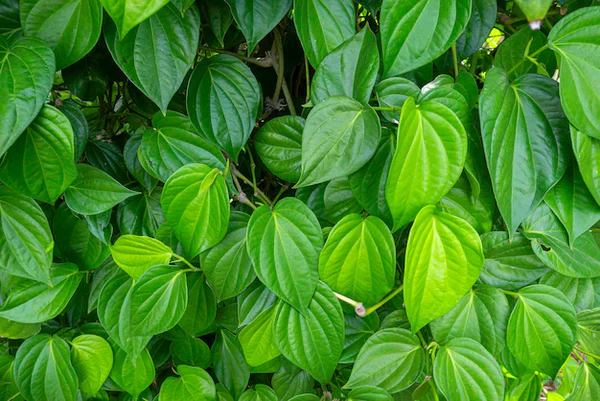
(339, 137)
(104, 154)
(195, 203)
(526, 388)
(201, 308)
(229, 364)
(588, 330)
(314, 340)
(92, 359)
(369, 393)
(391, 359)
(8, 387)
(290, 381)
(40, 163)
(417, 32)
(193, 384)
(339, 200)
(257, 18)
(481, 23)
(132, 162)
(350, 70)
(542, 328)
(323, 26)
(16, 331)
(393, 92)
(132, 374)
(71, 28)
(141, 214)
(257, 339)
(223, 99)
(127, 14)
(190, 351)
(253, 301)
(36, 302)
(586, 383)
(227, 265)
(26, 77)
(575, 41)
(511, 54)
(279, 146)
(525, 141)
(579, 291)
(25, 239)
(94, 191)
(260, 392)
(431, 136)
(43, 369)
(218, 14)
(157, 54)
(444, 257)
(284, 244)
(136, 254)
(358, 259)
(587, 154)
(357, 331)
(465, 370)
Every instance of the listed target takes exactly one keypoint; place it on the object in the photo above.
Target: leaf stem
(280, 70)
(180, 258)
(347, 300)
(278, 65)
(261, 62)
(455, 60)
(527, 57)
(511, 293)
(382, 108)
(236, 173)
(384, 300)
(307, 70)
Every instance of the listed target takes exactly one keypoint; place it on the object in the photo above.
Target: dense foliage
(305, 200)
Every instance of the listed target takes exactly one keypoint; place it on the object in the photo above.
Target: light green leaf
(512, 52)
(136, 254)
(92, 359)
(391, 359)
(581, 292)
(587, 154)
(253, 301)
(314, 340)
(229, 364)
(586, 384)
(339, 200)
(257, 339)
(194, 384)
(16, 331)
(290, 381)
(127, 14)
(284, 244)
(369, 393)
(359, 259)
(588, 331)
(393, 92)
(201, 308)
(132, 374)
(339, 137)
(526, 388)
(260, 392)
(444, 257)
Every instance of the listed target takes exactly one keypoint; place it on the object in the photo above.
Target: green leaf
(369, 393)
(429, 135)
(40, 163)
(141, 214)
(587, 383)
(81, 129)
(127, 14)
(393, 92)
(257, 18)
(417, 32)
(26, 77)
(339, 200)
(290, 381)
(94, 191)
(339, 137)
(92, 359)
(465, 370)
(260, 392)
(157, 54)
(579, 291)
(223, 100)
(195, 203)
(194, 384)
(588, 331)
(278, 143)
(323, 26)
(158, 300)
(132, 162)
(16, 331)
(132, 374)
(305, 397)
(106, 155)
(391, 359)
(284, 244)
(444, 257)
(8, 387)
(359, 259)
(191, 351)
(218, 14)
(357, 331)
(525, 139)
(25, 239)
(481, 315)
(43, 369)
(253, 301)
(479, 27)
(229, 364)
(257, 339)
(136, 254)
(526, 388)
(100, 226)
(227, 265)
(542, 328)
(71, 28)
(509, 265)
(512, 52)
(314, 340)
(587, 154)
(201, 308)
(35, 302)
(574, 39)
(350, 70)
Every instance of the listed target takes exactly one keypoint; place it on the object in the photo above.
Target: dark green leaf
(201, 308)
(481, 23)
(132, 374)
(229, 364)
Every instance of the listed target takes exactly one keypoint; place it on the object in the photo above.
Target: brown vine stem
(262, 62)
(237, 174)
(278, 64)
(241, 196)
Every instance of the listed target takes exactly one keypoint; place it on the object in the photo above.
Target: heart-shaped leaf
(127, 14)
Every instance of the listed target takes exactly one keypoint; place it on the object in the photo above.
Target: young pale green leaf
(16, 331)
(525, 140)
(369, 393)
(127, 14)
(323, 26)
(290, 381)
(417, 32)
(479, 27)
(257, 339)
(430, 136)
(141, 214)
(260, 392)
(339, 200)
(201, 308)
(35, 302)
(43, 369)
(391, 359)
(158, 53)
(586, 384)
(465, 371)
(339, 138)
(542, 328)
(588, 331)
(511, 54)
(481, 315)
(359, 259)
(92, 359)
(193, 384)
(190, 351)
(350, 70)
(132, 374)
(195, 203)
(25, 238)
(444, 258)
(40, 163)
(253, 301)
(71, 28)
(227, 265)
(136, 254)
(229, 364)
(279, 146)
(587, 154)
(581, 292)
(284, 244)
(223, 99)
(575, 40)
(94, 191)
(26, 77)
(356, 333)
(314, 340)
